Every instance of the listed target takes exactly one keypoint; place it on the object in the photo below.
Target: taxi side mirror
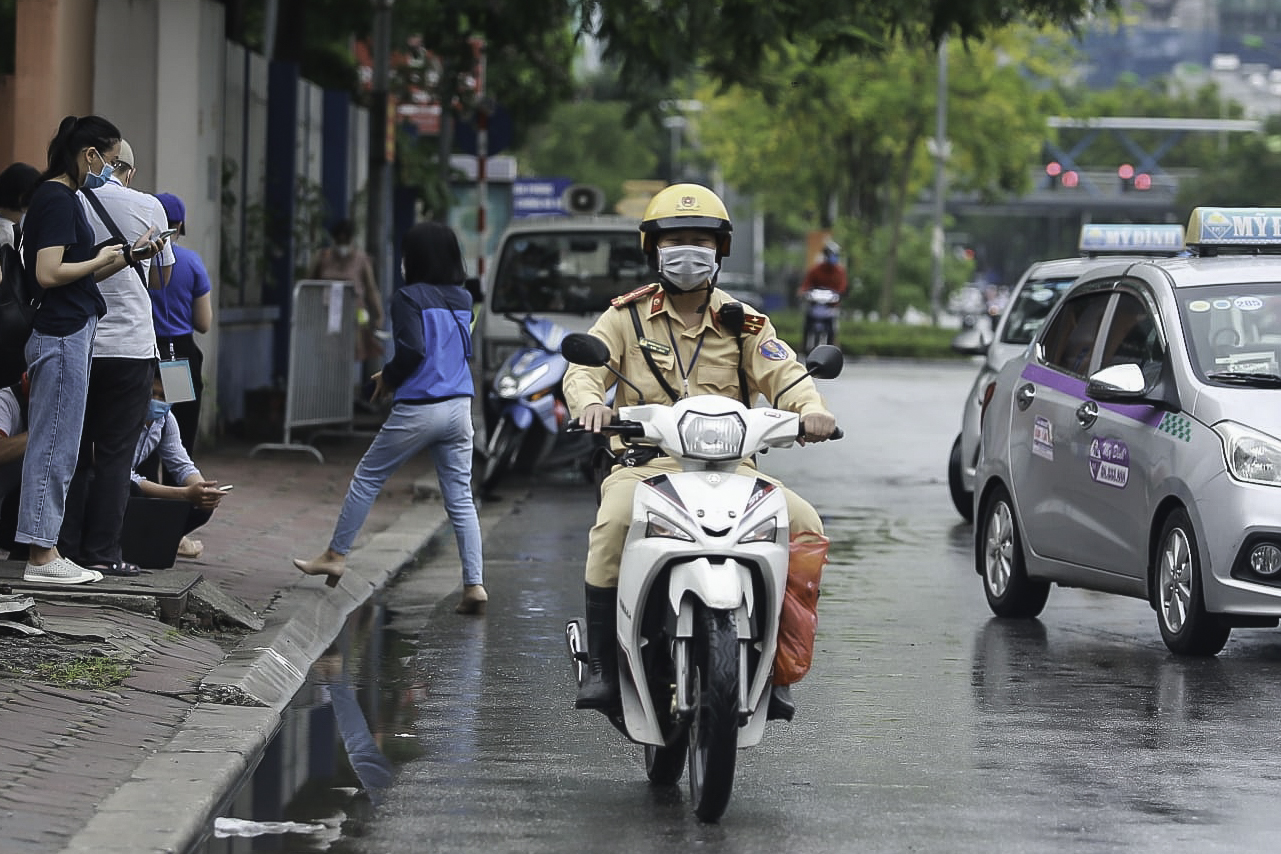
(1118, 382)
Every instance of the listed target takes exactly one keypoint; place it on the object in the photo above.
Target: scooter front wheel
(713, 737)
(500, 454)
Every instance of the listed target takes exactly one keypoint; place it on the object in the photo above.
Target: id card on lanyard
(175, 377)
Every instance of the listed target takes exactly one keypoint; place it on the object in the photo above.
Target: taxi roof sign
(1235, 228)
(1099, 238)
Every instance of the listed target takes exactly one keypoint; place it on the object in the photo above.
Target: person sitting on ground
(16, 183)
(13, 445)
(161, 433)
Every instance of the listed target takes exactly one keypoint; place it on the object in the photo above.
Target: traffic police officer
(675, 338)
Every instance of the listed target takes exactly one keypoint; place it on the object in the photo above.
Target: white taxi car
(1036, 293)
(1135, 447)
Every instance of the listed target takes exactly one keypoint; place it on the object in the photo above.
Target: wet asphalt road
(924, 726)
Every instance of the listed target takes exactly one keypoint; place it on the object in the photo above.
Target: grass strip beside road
(871, 338)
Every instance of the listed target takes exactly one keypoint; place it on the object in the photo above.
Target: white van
(563, 268)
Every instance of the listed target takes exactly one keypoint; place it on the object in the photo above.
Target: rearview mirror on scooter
(583, 349)
(825, 362)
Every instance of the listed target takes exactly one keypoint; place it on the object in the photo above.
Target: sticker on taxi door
(1043, 438)
(1110, 462)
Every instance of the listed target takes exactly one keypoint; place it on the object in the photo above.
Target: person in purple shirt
(180, 309)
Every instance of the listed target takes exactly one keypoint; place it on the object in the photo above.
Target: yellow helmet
(685, 206)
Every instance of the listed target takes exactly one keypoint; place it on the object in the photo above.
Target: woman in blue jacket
(430, 314)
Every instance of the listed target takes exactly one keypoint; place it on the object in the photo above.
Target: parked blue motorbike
(525, 409)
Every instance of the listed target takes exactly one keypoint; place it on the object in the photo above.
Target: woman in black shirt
(59, 254)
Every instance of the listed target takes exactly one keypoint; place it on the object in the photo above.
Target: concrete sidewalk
(144, 766)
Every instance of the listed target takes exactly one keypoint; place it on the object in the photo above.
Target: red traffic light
(1054, 168)
(1070, 178)
(1125, 171)
(1143, 181)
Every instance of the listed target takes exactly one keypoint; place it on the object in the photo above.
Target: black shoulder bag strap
(742, 373)
(649, 358)
(114, 229)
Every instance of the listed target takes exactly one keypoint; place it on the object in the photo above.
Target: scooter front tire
(713, 735)
(500, 454)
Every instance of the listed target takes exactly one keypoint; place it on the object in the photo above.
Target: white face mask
(343, 249)
(687, 267)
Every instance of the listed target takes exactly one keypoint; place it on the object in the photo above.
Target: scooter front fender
(519, 414)
(722, 586)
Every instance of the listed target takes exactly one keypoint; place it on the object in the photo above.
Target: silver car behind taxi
(1135, 447)
(1035, 294)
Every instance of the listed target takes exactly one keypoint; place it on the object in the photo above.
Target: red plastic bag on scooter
(798, 623)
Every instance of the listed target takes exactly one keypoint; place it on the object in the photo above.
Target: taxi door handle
(1087, 413)
(1024, 396)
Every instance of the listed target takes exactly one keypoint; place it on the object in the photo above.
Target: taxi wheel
(1186, 627)
(962, 498)
(999, 551)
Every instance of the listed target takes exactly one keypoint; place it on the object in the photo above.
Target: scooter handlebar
(617, 426)
(634, 428)
(838, 433)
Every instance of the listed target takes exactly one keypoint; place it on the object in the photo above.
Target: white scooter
(701, 583)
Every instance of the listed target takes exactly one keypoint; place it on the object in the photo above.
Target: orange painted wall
(53, 75)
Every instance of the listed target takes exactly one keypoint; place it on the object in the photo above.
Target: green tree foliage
(590, 142)
(529, 51)
(659, 41)
(529, 46)
(1247, 174)
(848, 140)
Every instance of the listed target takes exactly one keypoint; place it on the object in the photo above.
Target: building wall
(53, 72)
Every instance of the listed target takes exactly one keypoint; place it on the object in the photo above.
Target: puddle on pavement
(323, 775)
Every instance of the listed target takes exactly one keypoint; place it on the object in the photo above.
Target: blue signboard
(539, 196)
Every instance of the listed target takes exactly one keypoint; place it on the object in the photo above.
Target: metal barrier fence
(322, 345)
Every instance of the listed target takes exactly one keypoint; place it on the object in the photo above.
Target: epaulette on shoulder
(633, 296)
(753, 323)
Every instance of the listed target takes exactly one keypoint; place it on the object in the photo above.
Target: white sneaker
(187, 547)
(61, 571)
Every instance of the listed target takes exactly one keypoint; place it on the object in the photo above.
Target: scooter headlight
(712, 437)
(511, 386)
(659, 526)
(765, 532)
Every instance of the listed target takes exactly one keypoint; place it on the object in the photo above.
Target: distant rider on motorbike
(677, 337)
(828, 273)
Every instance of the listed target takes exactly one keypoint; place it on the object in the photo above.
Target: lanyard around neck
(676, 351)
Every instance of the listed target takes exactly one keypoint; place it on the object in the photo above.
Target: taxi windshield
(572, 272)
(1031, 307)
(1234, 333)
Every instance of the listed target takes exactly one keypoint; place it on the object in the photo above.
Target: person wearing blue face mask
(161, 434)
(60, 255)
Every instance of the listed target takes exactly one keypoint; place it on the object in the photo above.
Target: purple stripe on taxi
(1073, 387)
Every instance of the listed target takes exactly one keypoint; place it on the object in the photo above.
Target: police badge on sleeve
(775, 350)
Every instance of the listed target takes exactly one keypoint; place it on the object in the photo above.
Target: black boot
(600, 689)
(781, 707)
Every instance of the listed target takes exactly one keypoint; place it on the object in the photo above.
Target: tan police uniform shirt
(711, 368)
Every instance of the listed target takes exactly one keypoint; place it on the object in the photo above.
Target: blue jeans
(59, 372)
(446, 429)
